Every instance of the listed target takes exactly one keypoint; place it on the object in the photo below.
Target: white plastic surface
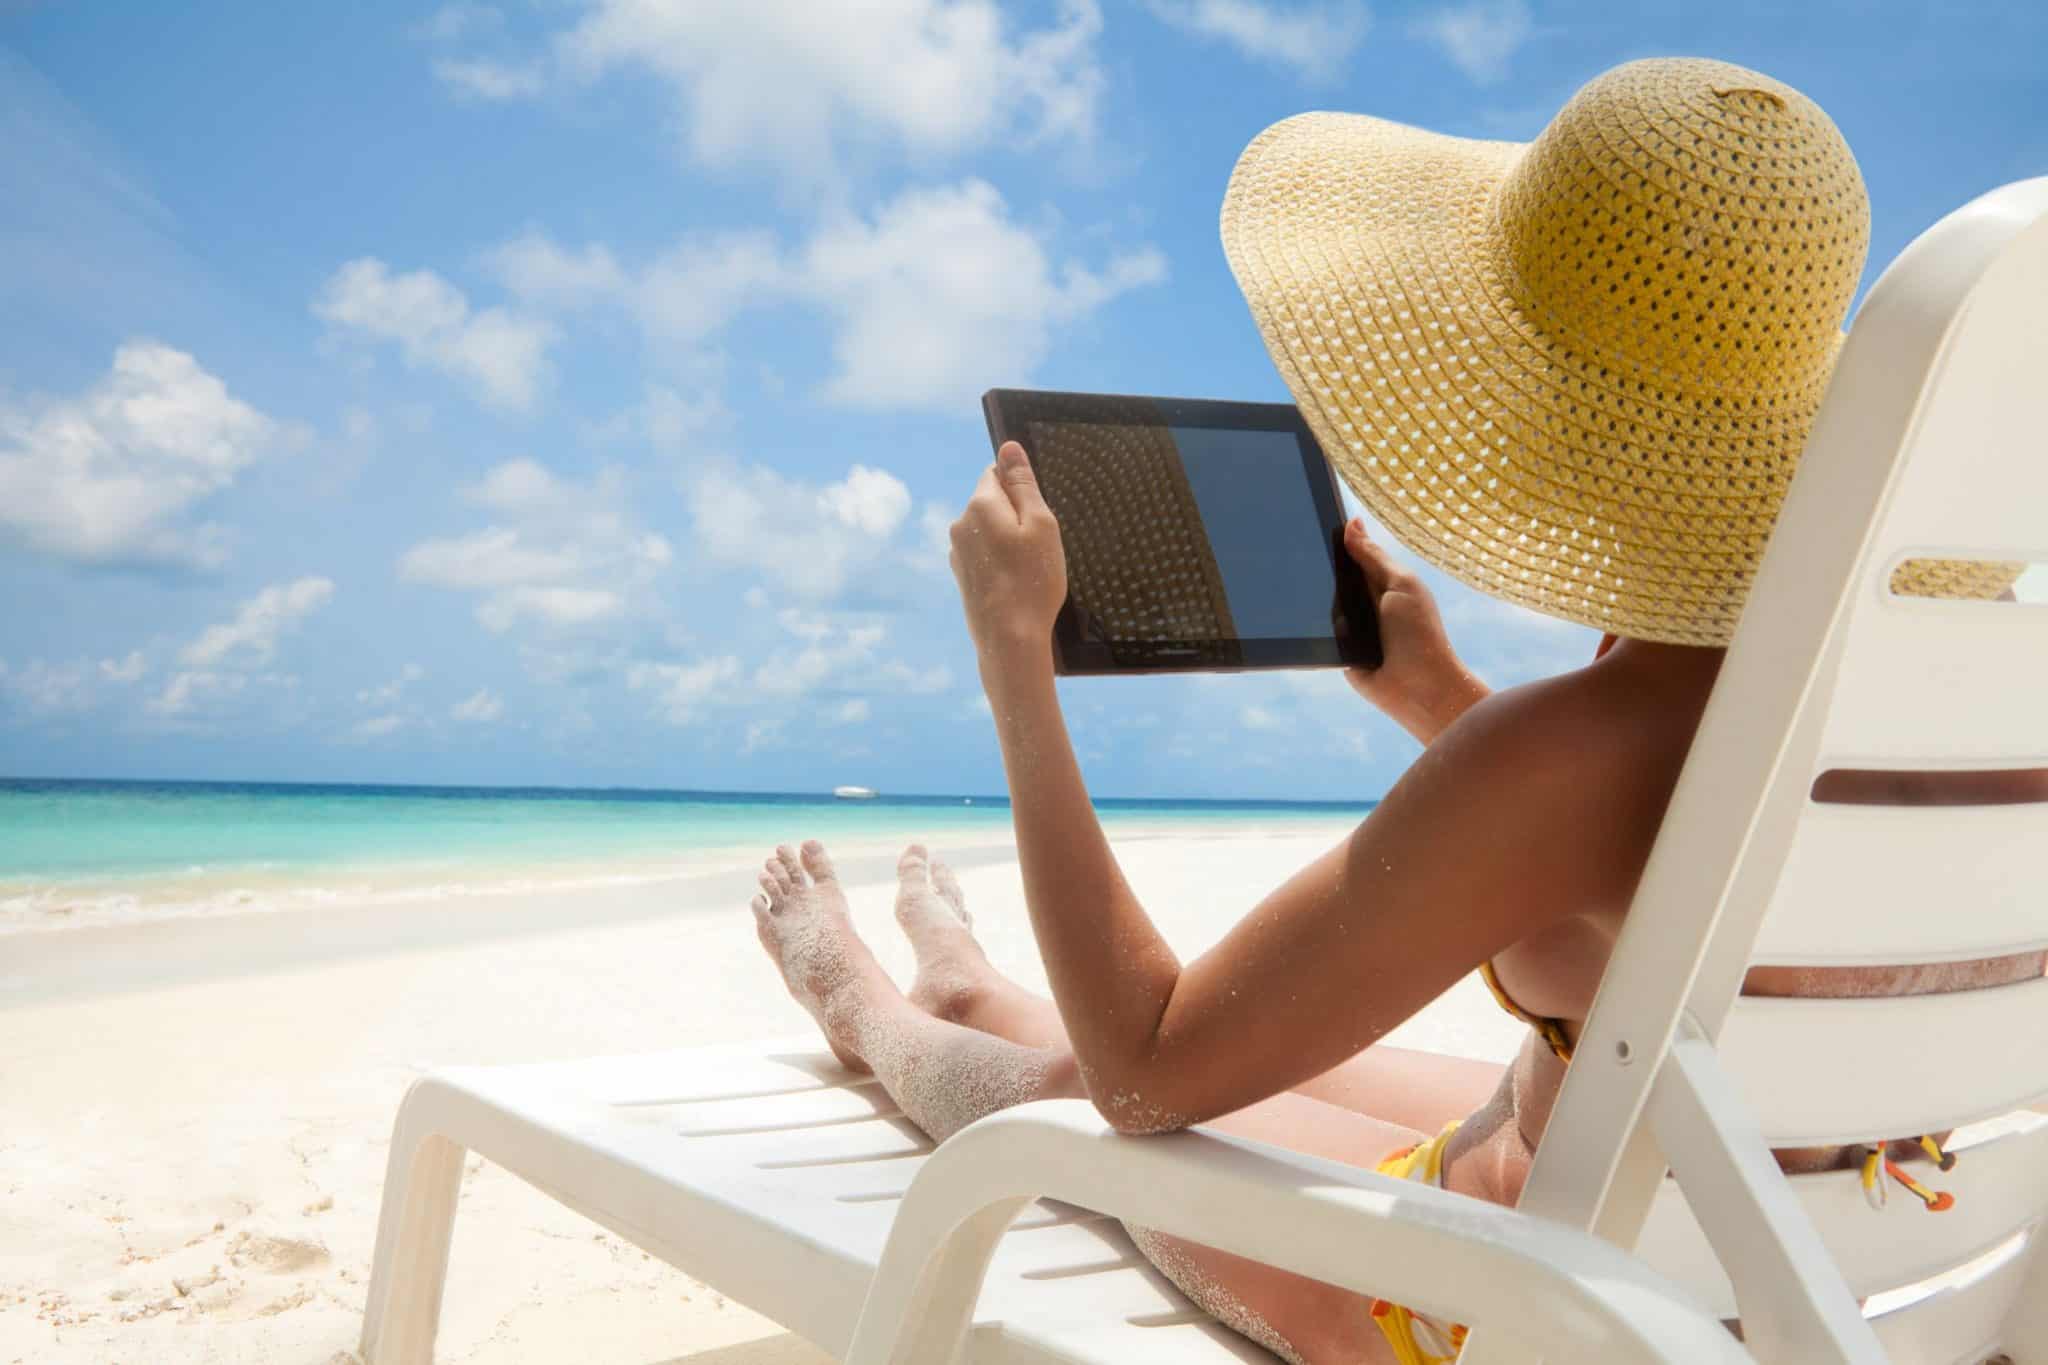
(1868, 885)
(1824, 1071)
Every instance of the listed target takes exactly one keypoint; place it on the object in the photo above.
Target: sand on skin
(191, 1163)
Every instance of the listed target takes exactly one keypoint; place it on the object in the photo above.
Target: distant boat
(854, 793)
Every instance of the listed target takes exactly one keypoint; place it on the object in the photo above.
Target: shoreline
(48, 905)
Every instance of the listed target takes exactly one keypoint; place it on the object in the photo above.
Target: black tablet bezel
(1354, 637)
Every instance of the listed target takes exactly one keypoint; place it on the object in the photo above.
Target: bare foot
(952, 971)
(801, 917)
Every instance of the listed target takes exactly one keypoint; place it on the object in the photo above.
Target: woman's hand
(1008, 561)
(1422, 685)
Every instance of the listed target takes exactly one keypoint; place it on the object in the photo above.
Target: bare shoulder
(1573, 773)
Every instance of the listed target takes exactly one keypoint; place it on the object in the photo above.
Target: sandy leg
(955, 980)
(942, 1075)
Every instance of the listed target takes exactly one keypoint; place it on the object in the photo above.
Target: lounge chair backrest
(1932, 443)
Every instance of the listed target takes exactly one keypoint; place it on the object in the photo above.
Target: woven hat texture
(1138, 554)
(1576, 373)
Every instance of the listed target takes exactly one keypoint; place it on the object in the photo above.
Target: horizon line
(825, 794)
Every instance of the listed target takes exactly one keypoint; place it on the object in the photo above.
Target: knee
(955, 999)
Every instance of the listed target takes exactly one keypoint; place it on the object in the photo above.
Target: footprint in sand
(275, 1255)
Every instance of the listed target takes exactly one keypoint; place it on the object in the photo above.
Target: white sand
(194, 1114)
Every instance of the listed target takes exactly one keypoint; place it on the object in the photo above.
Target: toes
(759, 905)
(816, 861)
(949, 886)
(911, 866)
(791, 867)
(772, 891)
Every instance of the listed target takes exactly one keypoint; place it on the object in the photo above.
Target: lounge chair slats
(2000, 1184)
(1874, 885)
(1963, 1321)
(1820, 1071)
(1963, 683)
(816, 1198)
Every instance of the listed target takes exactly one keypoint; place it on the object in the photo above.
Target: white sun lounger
(771, 1174)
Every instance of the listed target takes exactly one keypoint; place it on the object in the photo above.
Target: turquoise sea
(83, 845)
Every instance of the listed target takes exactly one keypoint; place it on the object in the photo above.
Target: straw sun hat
(1575, 373)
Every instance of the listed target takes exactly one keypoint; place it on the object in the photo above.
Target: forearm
(1111, 972)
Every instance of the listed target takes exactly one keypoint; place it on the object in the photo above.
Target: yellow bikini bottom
(1418, 1338)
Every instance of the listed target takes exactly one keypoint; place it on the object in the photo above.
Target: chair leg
(414, 1228)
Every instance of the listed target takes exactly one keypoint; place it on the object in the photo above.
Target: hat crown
(1696, 225)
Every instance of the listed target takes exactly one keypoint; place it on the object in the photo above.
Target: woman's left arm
(1461, 859)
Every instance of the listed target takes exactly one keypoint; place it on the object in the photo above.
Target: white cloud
(942, 290)
(387, 693)
(251, 637)
(916, 682)
(535, 267)
(679, 689)
(185, 690)
(109, 475)
(938, 290)
(872, 501)
(841, 658)
(762, 734)
(811, 540)
(49, 689)
(694, 288)
(561, 554)
(376, 727)
(1259, 718)
(126, 670)
(935, 535)
(495, 557)
(451, 23)
(795, 86)
(479, 708)
(829, 654)
(1316, 40)
(499, 354)
(550, 606)
(852, 712)
(484, 79)
(1480, 38)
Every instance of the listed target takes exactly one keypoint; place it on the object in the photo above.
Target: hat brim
(1371, 256)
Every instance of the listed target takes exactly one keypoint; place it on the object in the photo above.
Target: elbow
(1138, 1119)
(1136, 1104)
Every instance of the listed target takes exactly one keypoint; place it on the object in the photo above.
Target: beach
(198, 1105)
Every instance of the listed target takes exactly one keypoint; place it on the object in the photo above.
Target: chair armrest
(1566, 1294)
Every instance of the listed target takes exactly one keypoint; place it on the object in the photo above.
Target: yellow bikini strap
(1550, 1031)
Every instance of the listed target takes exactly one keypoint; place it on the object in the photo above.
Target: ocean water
(89, 851)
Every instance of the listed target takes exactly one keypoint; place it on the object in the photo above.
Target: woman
(1576, 375)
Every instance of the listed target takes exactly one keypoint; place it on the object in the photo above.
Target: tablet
(1200, 536)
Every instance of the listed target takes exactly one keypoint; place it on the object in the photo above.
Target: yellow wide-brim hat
(1575, 373)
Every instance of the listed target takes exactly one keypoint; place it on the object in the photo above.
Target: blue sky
(568, 391)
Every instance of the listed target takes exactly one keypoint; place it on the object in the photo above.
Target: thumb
(1013, 469)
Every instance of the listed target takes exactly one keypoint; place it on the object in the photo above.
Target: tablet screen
(1197, 535)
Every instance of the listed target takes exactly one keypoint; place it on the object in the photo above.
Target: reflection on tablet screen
(1184, 533)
